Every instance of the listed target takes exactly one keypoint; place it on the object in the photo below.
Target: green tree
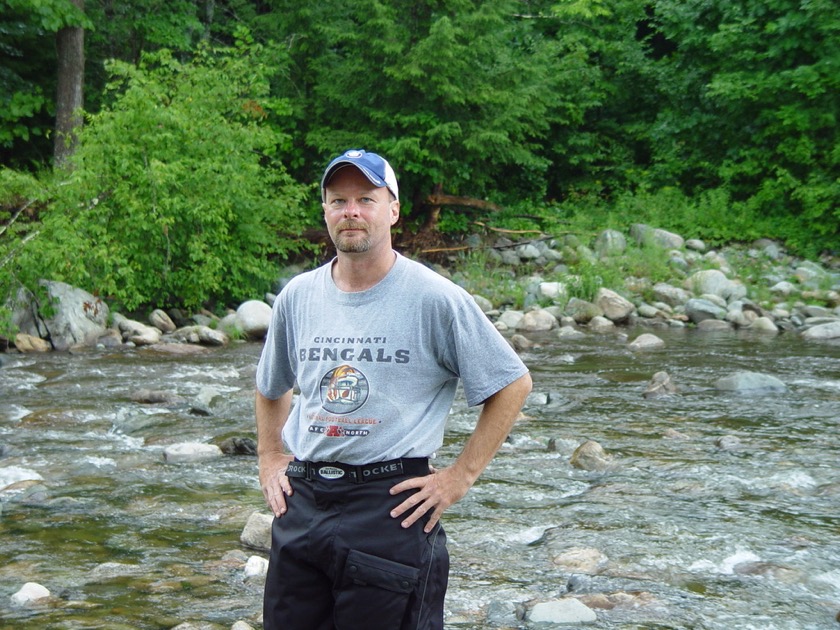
(177, 195)
(457, 93)
(750, 103)
(28, 69)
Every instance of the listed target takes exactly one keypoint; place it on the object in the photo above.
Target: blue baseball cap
(372, 166)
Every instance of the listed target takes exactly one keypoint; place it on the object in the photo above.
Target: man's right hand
(275, 485)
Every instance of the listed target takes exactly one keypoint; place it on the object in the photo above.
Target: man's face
(359, 215)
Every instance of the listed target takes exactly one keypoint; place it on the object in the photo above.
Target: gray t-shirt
(378, 369)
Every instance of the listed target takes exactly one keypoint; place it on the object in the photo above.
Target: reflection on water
(693, 530)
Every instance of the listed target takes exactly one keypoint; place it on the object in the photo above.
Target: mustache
(351, 225)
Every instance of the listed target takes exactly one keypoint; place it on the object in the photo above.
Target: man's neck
(352, 273)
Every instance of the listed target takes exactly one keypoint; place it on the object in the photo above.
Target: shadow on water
(718, 510)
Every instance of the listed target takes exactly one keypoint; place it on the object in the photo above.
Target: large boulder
(253, 318)
(615, 307)
(67, 316)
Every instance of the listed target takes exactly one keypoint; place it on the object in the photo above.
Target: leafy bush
(177, 193)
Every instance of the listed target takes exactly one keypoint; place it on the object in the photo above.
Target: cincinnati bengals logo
(344, 390)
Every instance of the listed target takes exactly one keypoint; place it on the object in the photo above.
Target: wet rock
(660, 385)
(615, 307)
(830, 330)
(670, 295)
(252, 318)
(750, 382)
(601, 324)
(646, 341)
(257, 531)
(764, 325)
(582, 311)
(257, 566)
(537, 320)
(29, 344)
(187, 452)
(160, 320)
(590, 456)
(502, 613)
(569, 333)
(155, 397)
(138, 333)
(520, 343)
(582, 560)
(714, 325)
(239, 446)
(562, 612)
(699, 309)
(30, 593)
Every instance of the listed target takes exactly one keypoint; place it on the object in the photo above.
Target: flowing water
(718, 510)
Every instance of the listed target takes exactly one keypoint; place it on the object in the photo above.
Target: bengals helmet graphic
(343, 390)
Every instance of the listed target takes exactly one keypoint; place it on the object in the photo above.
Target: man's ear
(394, 207)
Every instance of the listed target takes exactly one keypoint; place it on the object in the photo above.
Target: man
(377, 344)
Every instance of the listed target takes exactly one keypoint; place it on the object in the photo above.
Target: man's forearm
(271, 418)
(497, 418)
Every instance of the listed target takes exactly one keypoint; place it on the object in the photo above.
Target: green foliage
(177, 193)
(750, 104)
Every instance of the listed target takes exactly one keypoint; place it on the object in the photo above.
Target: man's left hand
(435, 493)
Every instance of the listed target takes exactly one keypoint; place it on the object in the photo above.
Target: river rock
(582, 560)
(564, 611)
(257, 566)
(590, 456)
(610, 242)
(509, 320)
(764, 325)
(698, 309)
(830, 330)
(257, 531)
(238, 446)
(78, 317)
(201, 334)
(138, 333)
(537, 320)
(615, 307)
(750, 382)
(646, 341)
(29, 343)
(160, 320)
(186, 452)
(646, 235)
(30, 593)
(253, 318)
(13, 474)
(582, 311)
(601, 324)
(660, 385)
(553, 290)
(566, 333)
(670, 295)
(714, 325)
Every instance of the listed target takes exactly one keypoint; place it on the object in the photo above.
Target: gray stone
(257, 531)
(615, 307)
(830, 330)
(160, 320)
(750, 382)
(252, 318)
(186, 452)
(610, 242)
(646, 341)
(537, 320)
(562, 611)
(699, 309)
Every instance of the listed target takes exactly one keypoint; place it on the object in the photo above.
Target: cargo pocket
(374, 592)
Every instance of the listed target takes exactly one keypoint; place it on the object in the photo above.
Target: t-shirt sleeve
(275, 373)
(484, 360)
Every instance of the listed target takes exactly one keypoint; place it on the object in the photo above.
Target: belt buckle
(330, 472)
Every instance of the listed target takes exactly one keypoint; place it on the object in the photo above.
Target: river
(718, 511)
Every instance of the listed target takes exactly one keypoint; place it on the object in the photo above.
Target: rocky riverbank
(759, 287)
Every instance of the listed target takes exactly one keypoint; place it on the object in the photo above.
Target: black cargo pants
(340, 562)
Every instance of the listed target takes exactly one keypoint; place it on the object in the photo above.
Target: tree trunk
(70, 47)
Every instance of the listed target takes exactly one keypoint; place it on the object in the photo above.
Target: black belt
(332, 471)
